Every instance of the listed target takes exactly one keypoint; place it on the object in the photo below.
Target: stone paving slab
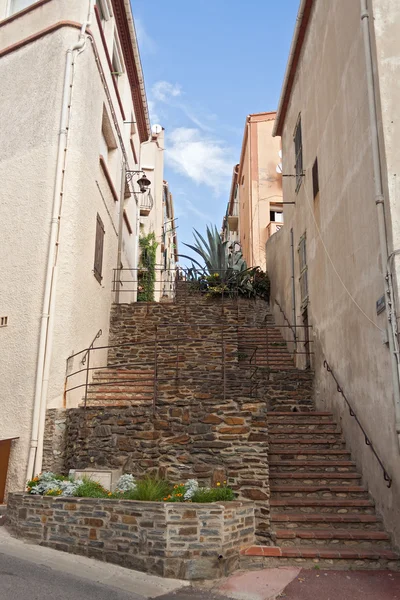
(343, 585)
(290, 583)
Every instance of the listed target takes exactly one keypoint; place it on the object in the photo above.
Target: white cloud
(163, 91)
(203, 159)
(146, 43)
(154, 116)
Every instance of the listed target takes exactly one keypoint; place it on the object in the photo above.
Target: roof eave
(302, 20)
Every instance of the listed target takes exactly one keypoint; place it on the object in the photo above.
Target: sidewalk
(290, 583)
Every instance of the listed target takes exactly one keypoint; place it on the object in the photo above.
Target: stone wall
(203, 438)
(185, 541)
(54, 441)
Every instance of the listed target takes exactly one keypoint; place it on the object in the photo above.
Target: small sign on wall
(380, 305)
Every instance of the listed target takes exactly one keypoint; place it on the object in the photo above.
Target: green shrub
(218, 494)
(149, 489)
(91, 489)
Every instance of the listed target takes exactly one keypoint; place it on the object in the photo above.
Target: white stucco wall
(341, 228)
(30, 103)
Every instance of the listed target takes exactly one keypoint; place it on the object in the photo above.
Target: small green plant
(90, 489)
(146, 278)
(221, 493)
(149, 489)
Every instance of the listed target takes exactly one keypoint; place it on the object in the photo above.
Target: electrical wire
(307, 195)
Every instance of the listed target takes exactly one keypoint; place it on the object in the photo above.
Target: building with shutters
(255, 210)
(74, 124)
(334, 266)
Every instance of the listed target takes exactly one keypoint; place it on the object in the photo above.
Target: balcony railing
(145, 204)
(273, 227)
(233, 217)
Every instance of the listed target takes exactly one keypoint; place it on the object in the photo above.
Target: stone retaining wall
(185, 541)
(205, 438)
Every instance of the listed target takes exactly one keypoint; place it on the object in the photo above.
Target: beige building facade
(254, 211)
(334, 265)
(74, 124)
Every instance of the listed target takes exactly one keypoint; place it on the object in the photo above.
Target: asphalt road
(26, 580)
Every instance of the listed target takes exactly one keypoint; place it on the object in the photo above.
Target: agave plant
(226, 269)
(217, 255)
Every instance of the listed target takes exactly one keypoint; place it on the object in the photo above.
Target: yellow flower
(225, 482)
(218, 483)
(109, 493)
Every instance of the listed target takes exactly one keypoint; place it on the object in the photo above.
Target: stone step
(335, 557)
(323, 505)
(324, 520)
(349, 537)
(318, 491)
(276, 435)
(297, 443)
(307, 506)
(300, 415)
(118, 402)
(118, 389)
(123, 373)
(309, 454)
(304, 425)
(309, 466)
(314, 478)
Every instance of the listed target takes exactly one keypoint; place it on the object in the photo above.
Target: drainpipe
(47, 319)
(379, 201)
(120, 231)
(293, 290)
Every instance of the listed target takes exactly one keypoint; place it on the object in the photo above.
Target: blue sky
(207, 65)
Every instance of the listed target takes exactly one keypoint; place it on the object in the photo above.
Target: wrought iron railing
(367, 439)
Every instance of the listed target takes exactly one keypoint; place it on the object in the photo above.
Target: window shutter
(98, 251)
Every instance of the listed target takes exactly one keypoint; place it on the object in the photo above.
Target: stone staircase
(265, 347)
(121, 387)
(320, 512)
(316, 510)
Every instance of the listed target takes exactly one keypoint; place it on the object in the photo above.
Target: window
(298, 151)
(98, 250)
(104, 9)
(17, 5)
(303, 271)
(315, 179)
(117, 63)
(276, 216)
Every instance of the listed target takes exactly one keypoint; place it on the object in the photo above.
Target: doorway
(5, 446)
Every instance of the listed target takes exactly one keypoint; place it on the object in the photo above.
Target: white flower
(191, 486)
(126, 483)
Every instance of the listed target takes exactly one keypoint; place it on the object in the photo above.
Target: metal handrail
(96, 337)
(368, 442)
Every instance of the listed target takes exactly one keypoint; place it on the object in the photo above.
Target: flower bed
(149, 488)
(171, 539)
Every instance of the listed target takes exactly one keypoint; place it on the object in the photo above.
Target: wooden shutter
(98, 250)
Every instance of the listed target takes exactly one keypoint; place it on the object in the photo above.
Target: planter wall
(185, 541)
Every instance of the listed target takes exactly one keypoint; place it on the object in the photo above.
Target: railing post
(87, 375)
(155, 369)
(177, 354)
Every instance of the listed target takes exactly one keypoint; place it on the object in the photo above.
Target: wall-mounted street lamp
(143, 182)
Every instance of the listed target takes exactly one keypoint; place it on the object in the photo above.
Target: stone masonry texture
(205, 414)
(182, 540)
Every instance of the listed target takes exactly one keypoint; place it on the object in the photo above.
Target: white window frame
(105, 9)
(9, 6)
(117, 53)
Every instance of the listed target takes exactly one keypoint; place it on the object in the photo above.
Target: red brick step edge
(344, 553)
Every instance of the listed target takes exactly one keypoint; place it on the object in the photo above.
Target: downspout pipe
(120, 231)
(379, 201)
(293, 289)
(47, 321)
